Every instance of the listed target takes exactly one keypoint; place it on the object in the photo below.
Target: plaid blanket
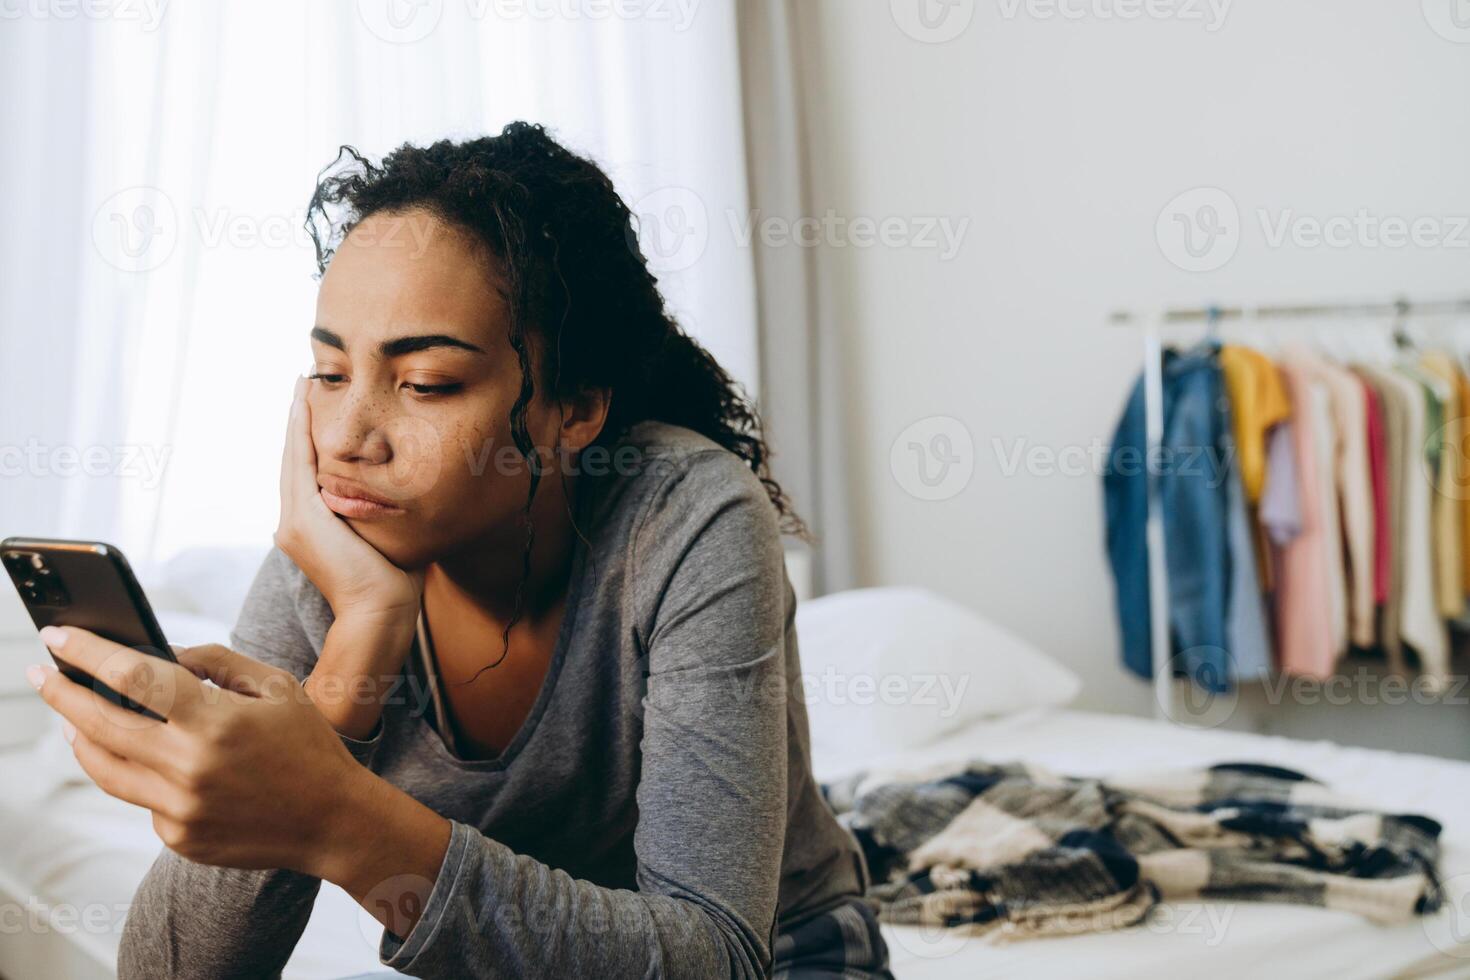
(1019, 851)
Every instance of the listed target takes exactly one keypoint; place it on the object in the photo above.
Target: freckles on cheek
(474, 451)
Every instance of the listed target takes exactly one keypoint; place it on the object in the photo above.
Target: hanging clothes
(1390, 397)
(1308, 508)
(1305, 639)
(1281, 500)
(1258, 405)
(1247, 629)
(1327, 442)
(1194, 500)
(1462, 488)
(1378, 477)
(1450, 475)
(1355, 492)
(1420, 626)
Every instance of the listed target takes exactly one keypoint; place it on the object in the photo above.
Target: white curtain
(802, 392)
(157, 287)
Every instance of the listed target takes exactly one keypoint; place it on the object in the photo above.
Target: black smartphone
(90, 585)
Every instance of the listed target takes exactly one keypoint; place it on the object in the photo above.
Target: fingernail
(36, 675)
(53, 637)
(69, 731)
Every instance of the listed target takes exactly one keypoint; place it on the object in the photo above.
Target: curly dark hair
(565, 251)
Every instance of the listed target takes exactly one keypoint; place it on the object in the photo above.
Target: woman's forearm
(360, 662)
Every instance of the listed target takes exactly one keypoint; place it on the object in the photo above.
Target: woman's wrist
(381, 846)
(359, 665)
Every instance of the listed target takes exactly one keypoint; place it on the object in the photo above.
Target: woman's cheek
(418, 462)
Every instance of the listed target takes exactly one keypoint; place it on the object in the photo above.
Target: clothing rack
(1153, 325)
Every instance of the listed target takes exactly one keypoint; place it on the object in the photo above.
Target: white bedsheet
(81, 853)
(1197, 940)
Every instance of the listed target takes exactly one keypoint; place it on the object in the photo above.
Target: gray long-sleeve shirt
(656, 814)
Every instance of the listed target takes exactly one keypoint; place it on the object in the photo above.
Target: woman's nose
(352, 431)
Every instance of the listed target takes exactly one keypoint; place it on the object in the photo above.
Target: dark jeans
(839, 944)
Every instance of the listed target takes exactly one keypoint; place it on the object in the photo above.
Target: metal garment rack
(1153, 326)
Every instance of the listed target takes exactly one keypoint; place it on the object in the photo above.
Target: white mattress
(1209, 940)
(67, 845)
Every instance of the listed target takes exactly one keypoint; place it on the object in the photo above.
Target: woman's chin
(399, 544)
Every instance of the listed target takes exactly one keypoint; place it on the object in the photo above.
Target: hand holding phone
(90, 585)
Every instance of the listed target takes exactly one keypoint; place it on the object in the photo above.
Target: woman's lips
(358, 508)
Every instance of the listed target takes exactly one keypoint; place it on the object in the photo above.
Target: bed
(71, 856)
(1210, 940)
(76, 850)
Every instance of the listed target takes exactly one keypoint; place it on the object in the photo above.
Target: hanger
(1401, 338)
(1212, 323)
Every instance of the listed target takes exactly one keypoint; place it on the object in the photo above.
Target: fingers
(232, 670)
(288, 453)
(299, 462)
(118, 776)
(124, 733)
(156, 683)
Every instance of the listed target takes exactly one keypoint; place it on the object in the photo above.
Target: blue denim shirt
(1214, 641)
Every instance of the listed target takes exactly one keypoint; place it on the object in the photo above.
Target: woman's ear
(582, 417)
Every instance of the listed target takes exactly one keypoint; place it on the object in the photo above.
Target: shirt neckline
(437, 734)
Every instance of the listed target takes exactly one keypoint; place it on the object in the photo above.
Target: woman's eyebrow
(399, 346)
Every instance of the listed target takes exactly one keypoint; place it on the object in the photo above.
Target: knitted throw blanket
(1019, 851)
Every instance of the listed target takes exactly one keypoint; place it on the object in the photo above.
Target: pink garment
(1304, 640)
(1378, 466)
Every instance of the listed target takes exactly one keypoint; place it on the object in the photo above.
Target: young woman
(520, 674)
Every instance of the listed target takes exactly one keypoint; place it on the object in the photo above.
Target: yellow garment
(1458, 450)
(1258, 402)
(1447, 512)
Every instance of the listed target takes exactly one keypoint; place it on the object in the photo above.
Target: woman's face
(418, 382)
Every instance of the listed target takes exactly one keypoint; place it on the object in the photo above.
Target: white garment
(1326, 439)
(1420, 625)
(1354, 487)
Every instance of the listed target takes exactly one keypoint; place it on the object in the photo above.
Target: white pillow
(209, 581)
(899, 667)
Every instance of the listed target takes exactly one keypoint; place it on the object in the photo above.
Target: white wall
(1061, 140)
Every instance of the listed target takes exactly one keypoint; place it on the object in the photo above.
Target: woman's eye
(439, 389)
(328, 379)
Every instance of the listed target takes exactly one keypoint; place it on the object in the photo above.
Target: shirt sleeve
(196, 920)
(707, 566)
